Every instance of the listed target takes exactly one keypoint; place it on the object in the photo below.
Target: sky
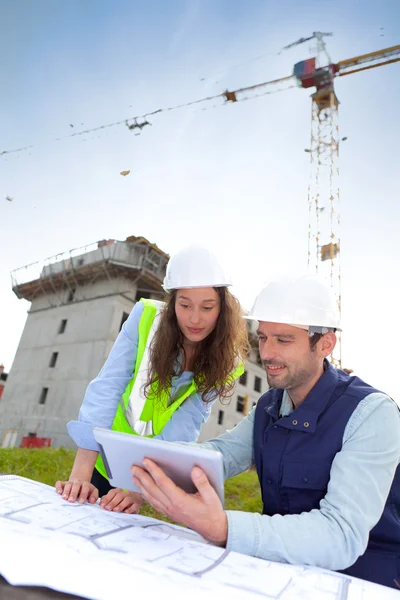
(233, 176)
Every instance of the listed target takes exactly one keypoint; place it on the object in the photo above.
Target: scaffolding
(136, 260)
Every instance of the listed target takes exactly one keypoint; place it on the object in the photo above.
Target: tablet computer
(120, 451)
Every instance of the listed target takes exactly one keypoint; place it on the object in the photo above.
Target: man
(326, 447)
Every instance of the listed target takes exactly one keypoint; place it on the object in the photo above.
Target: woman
(169, 363)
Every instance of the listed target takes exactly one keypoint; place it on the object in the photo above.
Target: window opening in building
(240, 404)
(63, 326)
(220, 417)
(140, 294)
(243, 378)
(43, 395)
(124, 318)
(53, 359)
(257, 384)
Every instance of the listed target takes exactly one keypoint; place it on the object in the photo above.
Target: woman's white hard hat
(193, 267)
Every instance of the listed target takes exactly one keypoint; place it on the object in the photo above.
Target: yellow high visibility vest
(156, 412)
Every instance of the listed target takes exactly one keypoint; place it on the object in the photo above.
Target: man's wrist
(219, 531)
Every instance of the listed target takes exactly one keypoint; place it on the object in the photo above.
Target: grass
(48, 465)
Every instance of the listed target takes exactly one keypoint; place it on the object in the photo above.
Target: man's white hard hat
(305, 301)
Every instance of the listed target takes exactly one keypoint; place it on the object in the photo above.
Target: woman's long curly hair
(215, 357)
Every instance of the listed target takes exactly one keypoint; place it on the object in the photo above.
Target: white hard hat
(194, 267)
(305, 301)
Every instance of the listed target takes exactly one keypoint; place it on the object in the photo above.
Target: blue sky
(235, 176)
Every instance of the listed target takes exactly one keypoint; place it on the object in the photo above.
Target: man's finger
(149, 489)
(206, 491)
(142, 479)
(156, 503)
(161, 479)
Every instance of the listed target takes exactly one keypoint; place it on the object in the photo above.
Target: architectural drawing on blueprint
(143, 549)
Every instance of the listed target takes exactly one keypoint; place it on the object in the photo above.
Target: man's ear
(327, 344)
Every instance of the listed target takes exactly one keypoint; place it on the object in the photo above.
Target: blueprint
(85, 550)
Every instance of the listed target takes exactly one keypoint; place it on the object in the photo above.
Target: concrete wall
(90, 332)
(89, 291)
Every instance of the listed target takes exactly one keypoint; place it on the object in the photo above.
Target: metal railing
(120, 253)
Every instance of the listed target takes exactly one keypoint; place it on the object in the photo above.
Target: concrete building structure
(79, 302)
(249, 388)
(3, 379)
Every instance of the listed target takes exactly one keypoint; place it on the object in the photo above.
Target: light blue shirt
(336, 534)
(104, 393)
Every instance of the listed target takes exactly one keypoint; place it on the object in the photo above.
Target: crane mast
(323, 190)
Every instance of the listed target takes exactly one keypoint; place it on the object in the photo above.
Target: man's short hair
(314, 339)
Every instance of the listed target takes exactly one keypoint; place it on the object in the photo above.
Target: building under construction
(79, 302)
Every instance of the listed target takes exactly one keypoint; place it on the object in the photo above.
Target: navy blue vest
(294, 455)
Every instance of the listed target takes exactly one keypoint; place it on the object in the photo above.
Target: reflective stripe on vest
(155, 409)
(133, 405)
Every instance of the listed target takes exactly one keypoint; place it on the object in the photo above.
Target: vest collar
(305, 417)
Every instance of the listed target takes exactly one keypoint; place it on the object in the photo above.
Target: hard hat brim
(299, 325)
(193, 287)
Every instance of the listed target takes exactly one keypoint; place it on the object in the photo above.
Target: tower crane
(323, 189)
(318, 72)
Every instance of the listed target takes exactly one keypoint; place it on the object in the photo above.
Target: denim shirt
(104, 393)
(336, 534)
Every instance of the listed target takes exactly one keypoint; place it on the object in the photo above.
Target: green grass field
(49, 464)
